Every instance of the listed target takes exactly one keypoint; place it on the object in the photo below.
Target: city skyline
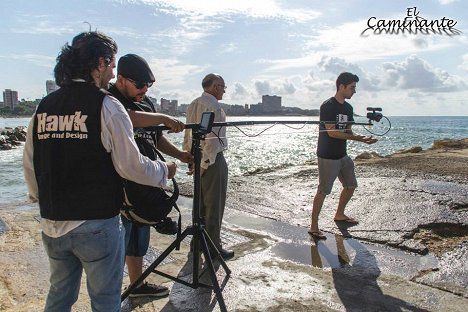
(292, 50)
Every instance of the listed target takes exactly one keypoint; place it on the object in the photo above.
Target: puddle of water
(336, 252)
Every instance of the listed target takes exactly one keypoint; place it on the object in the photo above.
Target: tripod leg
(212, 247)
(151, 268)
(211, 269)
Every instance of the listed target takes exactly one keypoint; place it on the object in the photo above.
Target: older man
(214, 170)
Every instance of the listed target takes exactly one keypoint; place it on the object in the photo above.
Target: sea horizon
(269, 147)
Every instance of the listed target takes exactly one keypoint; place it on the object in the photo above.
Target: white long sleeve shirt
(117, 138)
(215, 141)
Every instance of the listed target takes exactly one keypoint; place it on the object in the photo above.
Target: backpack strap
(174, 197)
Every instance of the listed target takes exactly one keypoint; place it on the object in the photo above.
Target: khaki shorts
(330, 169)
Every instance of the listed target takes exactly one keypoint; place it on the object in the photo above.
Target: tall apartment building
(169, 106)
(271, 103)
(51, 86)
(10, 98)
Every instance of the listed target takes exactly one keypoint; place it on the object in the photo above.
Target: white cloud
(345, 41)
(464, 64)
(263, 87)
(240, 92)
(39, 60)
(43, 24)
(444, 2)
(172, 78)
(254, 9)
(335, 65)
(415, 73)
(227, 48)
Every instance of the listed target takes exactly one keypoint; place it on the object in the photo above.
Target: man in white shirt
(214, 170)
(79, 144)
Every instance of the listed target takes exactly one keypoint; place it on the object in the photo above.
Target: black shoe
(226, 254)
(150, 290)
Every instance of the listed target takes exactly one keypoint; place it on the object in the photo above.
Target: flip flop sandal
(348, 220)
(317, 234)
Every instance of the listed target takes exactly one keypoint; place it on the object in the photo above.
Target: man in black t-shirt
(336, 116)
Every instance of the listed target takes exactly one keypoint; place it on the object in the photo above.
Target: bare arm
(166, 146)
(348, 134)
(147, 119)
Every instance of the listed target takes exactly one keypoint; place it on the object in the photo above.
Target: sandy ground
(408, 201)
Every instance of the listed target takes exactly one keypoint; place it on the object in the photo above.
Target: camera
(374, 115)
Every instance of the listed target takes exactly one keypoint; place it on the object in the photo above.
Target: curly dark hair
(80, 58)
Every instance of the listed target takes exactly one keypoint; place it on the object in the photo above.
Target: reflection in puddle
(340, 252)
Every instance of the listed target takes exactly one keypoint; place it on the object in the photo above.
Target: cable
(255, 135)
(217, 135)
(380, 125)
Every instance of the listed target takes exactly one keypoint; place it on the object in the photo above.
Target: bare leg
(135, 267)
(317, 206)
(345, 196)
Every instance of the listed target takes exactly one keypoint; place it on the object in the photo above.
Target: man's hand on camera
(171, 169)
(173, 124)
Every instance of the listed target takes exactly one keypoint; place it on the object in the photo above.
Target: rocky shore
(408, 253)
(12, 137)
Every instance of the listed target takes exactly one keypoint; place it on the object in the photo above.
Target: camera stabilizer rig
(378, 123)
(202, 242)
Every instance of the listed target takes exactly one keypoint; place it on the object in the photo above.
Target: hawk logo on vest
(62, 127)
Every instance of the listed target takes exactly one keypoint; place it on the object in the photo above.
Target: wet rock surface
(12, 137)
(408, 253)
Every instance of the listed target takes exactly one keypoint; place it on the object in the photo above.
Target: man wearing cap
(134, 77)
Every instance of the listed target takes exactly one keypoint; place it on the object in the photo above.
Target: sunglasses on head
(140, 85)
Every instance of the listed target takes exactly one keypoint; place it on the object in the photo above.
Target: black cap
(135, 67)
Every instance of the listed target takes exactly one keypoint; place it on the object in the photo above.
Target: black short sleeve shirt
(333, 111)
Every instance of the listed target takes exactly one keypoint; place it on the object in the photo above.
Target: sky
(290, 48)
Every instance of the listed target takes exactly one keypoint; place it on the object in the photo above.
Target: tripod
(200, 237)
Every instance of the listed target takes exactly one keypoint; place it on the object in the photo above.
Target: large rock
(449, 143)
(415, 149)
(9, 137)
(368, 155)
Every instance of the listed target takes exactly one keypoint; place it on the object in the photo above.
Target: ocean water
(275, 147)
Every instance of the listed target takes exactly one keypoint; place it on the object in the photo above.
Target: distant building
(233, 110)
(51, 86)
(183, 108)
(10, 98)
(169, 106)
(257, 109)
(271, 103)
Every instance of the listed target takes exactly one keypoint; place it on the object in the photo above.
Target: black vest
(75, 174)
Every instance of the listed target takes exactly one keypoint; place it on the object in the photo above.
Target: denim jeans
(95, 246)
(137, 238)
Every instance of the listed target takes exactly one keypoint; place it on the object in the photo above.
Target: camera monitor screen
(206, 122)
